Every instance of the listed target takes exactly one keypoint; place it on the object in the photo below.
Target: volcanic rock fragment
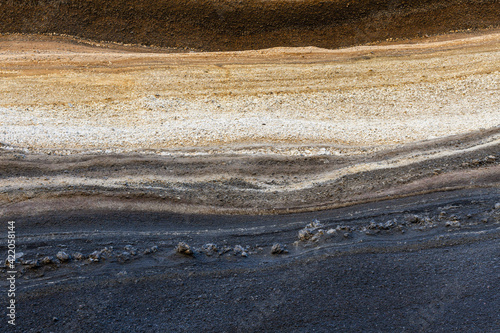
(152, 249)
(78, 256)
(48, 260)
(209, 249)
(183, 248)
(278, 249)
(62, 256)
(239, 250)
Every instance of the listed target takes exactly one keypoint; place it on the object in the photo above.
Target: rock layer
(242, 25)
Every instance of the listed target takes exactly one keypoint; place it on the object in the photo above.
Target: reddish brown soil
(240, 25)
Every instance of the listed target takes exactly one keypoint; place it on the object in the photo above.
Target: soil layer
(243, 25)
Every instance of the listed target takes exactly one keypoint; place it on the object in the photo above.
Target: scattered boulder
(152, 249)
(183, 248)
(390, 224)
(314, 224)
(225, 249)
(497, 205)
(414, 219)
(375, 228)
(32, 263)
(78, 256)
(124, 256)
(209, 249)
(106, 252)
(490, 158)
(344, 228)
(313, 233)
(278, 249)
(48, 260)
(62, 256)
(305, 234)
(239, 250)
(317, 235)
(95, 256)
(132, 250)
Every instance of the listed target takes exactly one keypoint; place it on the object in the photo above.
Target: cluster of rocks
(375, 228)
(311, 232)
(279, 248)
(413, 221)
(315, 231)
(480, 162)
(183, 248)
(106, 253)
(212, 249)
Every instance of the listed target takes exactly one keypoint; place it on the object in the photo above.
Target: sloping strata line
(24, 183)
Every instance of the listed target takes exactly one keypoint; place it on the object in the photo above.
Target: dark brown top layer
(251, 24)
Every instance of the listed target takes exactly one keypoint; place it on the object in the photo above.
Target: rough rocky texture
(183, 248)
(387, 162)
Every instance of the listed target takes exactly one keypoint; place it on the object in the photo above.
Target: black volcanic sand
(427, 263)
(242, 25)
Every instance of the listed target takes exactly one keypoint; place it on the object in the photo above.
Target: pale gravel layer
(361, 117)
(254, 108)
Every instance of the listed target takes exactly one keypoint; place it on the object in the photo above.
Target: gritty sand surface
(60, 95)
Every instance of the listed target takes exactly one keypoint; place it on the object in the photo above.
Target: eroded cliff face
(268, 131)
(241, 25)
(285, 189)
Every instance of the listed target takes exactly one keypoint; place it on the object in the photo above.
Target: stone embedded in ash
(305, 234)
(183, 248)
(239, 250)
(412, 218)
(132, 250)
(32, 263)
(124, 256)
(63, 256)
(314, 224)
(209, 249)
(278, 249)
(95, 256)
(318, 235)
(48, 260)
(152, 249)
(78, 256)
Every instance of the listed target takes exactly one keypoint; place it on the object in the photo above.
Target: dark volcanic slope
(238, 25)
(421, 264)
